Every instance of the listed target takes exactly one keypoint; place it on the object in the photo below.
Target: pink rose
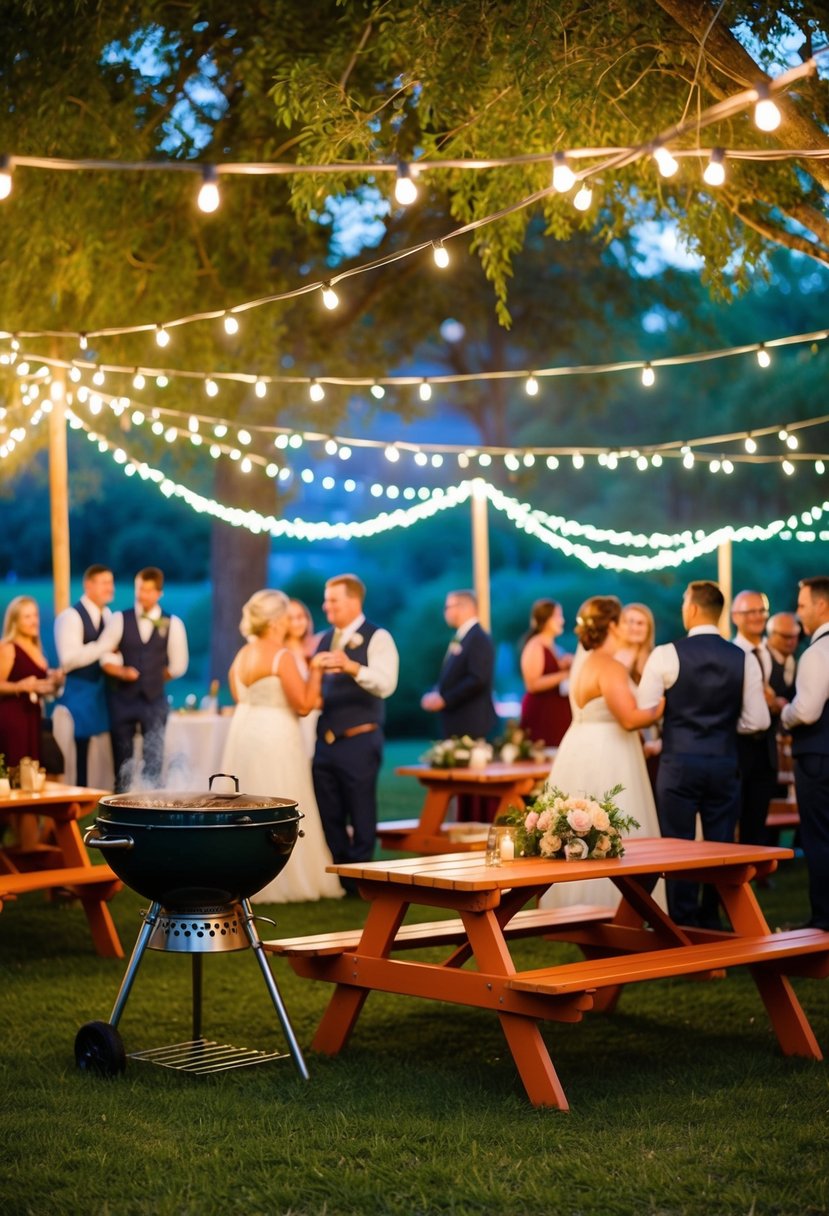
(579, 821)
(549, 845)
(600, 819)
(545, 821)
(531, 821)
(602, 845)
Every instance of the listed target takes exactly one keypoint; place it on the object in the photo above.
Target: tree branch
(781, 236)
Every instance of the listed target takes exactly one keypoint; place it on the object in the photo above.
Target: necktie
(336, 639)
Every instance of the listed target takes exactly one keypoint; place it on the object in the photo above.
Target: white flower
(599, 818)
(354, 641)
(576, 850)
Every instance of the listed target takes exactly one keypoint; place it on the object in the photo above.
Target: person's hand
(29, 684)
(565, 661)
(770, 695)
(432, 702)
(128, 674)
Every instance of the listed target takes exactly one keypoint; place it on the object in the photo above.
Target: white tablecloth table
(193, 747)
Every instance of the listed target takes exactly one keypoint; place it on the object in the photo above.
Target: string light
(750, 444)
(315, 391)
(329, 297)
(405, 190)
(583, 198)
(260, 387)
(377, 391)
(665, 163)
(441, 254)
(208, 197)
(788, 468)
(425, 390)
(531, 386)
(766, 114)
(138, 381)
(648, 376)
(211, 388)
(230, 323)
(162, 338)
(563, 176)
(5, 176)
(763, 356)
(714, 174)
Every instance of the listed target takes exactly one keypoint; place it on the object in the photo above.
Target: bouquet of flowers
(516, 744)
(456, 752)
(559, 825)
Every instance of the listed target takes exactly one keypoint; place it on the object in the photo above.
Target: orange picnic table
(61, 862)
(509, 783)
(637, 942)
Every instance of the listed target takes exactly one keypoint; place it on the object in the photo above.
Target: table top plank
(494, 772)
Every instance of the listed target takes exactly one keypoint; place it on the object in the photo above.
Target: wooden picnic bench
(638, 942)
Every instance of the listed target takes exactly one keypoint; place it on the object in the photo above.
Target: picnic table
(61, 862)
(637, 942)
(509, 783)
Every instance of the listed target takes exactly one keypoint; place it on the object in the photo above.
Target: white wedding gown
(595, 754)
(265, 751)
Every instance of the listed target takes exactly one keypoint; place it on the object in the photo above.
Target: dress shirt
(662, 672)
(379, 675)
(463, 630)
(762, 653)
(69, 643)
(812, 685)
(178, 655)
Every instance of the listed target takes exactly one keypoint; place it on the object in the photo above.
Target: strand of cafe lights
(767, 117)
(520, 514)
(212, 380)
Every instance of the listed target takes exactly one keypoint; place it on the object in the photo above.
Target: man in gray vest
(712, 690)
(807, 717)
(152, 648)
(757, 753)
(360, 666)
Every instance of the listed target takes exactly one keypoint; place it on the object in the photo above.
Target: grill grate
(202, 1056)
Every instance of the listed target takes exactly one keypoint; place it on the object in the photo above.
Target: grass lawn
(681, 1101)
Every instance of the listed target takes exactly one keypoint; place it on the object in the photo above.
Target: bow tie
(145, 616)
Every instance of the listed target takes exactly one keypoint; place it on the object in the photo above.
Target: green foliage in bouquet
(453, 753)
(559, 825)
(515, 744)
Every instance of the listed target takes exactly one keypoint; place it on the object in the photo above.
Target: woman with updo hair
(602, 748)
(264, 748)
(545, 709)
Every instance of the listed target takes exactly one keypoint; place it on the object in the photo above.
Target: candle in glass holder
(507, 847)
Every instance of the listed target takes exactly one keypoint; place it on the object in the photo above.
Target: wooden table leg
(73, 851)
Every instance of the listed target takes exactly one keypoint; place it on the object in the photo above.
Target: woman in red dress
(545, 713)
(24, 678)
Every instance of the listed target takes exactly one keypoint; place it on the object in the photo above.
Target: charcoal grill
(198, 857)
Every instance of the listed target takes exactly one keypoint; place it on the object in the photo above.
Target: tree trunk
(238, 560)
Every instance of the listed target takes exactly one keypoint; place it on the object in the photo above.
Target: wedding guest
(301, 641)
(25, 677)
(545, 709)
(638, 631)
(264, 748)
(82, 637)
(807, 718)
(712, 691)
(463, 695)
(151, 649)
(360, 666)
(757, 752)
(783, 637)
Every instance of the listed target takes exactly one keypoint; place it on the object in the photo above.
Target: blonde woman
(301, 642)
(638, 639)
(265, 749)
(25, 677)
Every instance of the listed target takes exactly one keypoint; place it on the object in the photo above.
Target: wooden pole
(59, 491)
(480, 553)
(724, 571)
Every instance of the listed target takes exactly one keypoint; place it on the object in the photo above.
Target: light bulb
(161, 381)
(750, 445)
(763, 356)
(192, 423)
(531, 386)
(665, 163)
(766, 114)
(441, 254)
(98, 378)
(329, 297)
(208, 198)
(563, 176)
(688, 460)
(231, 324)
(648, 375)
(392, 453)
(788, 468)
(331, 447)
(405, 190)
(583, 198)
(578, 460)
(5, 176)
(714, 174)
(83, 341)
(316, 392)
(138, 381)
(425, 390)
(74, 374)
(377, 391)
(820, 467)
(162, 338)
(211, 388)
(260, 388)
(792, 442)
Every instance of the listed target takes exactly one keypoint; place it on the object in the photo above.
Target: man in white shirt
(757, 752)
(151, 649)
(783, 633)
(712, 690)
(83, 635)
(807, 717)
(360, 667)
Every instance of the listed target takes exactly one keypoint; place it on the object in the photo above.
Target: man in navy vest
(807, 717)
(83, 635)
(360, 666)
(152, 648)
(463, 697)
(712, 690)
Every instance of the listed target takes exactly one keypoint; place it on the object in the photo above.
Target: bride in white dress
(602, 747)
(264, 747)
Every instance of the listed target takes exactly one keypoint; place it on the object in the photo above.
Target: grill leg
(132, 967)
(197, 994)
(282, 1014)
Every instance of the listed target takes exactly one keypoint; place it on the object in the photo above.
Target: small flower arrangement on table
(516, 744)
(560, 825)
(458, 752)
